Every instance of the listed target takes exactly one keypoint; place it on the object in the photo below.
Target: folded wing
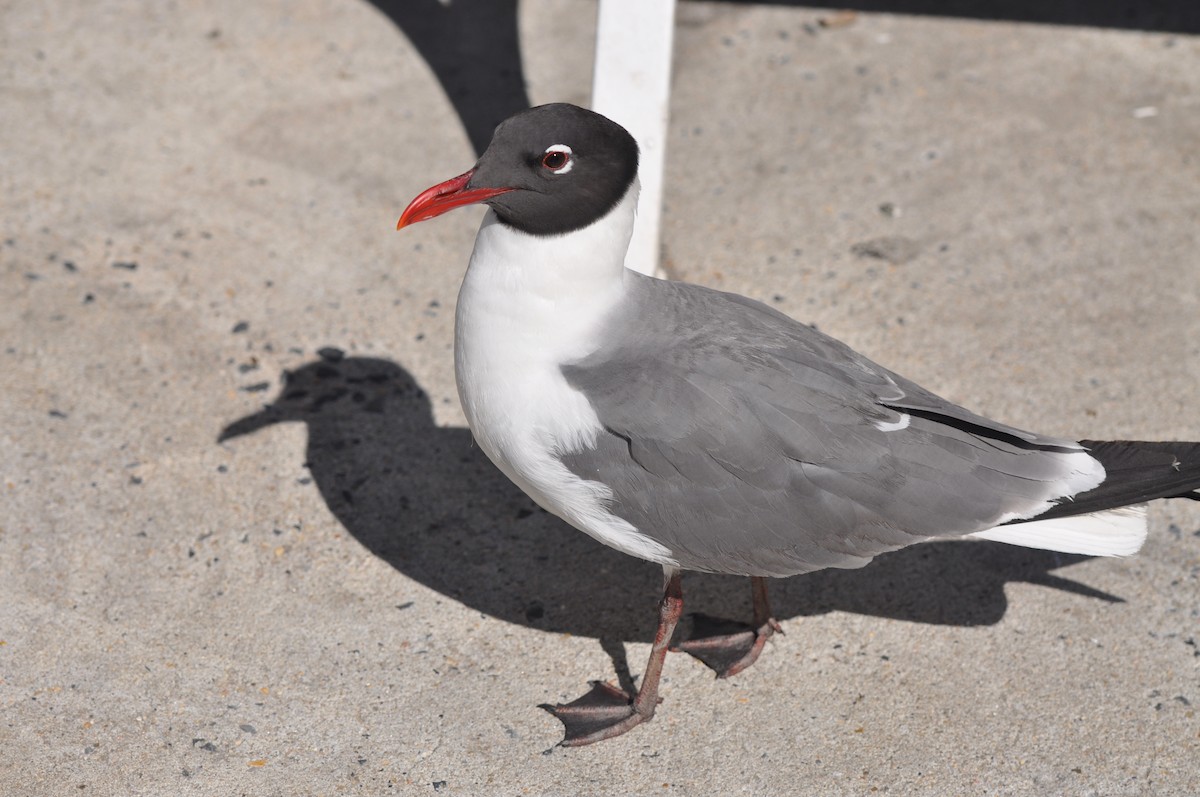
(748, 443)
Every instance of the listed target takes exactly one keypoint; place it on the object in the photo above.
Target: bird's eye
(557, 158)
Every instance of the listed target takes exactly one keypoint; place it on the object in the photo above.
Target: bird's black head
(549, 170)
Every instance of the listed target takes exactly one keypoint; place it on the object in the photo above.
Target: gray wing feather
(748, 443)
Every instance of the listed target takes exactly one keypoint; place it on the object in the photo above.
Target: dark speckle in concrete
(895, 249)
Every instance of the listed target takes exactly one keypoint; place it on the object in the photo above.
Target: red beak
(443, 197)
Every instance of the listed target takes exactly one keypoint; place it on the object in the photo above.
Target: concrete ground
(339, 595)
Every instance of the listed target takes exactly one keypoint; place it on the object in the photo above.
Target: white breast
(527, 305)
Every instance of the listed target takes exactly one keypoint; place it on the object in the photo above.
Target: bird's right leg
(606, 711)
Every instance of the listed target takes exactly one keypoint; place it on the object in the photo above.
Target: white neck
(549, 291)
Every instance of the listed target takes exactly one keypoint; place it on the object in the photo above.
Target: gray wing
(748, 443)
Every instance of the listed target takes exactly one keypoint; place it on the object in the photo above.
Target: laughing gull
(705, 431)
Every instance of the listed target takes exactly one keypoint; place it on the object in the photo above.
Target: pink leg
(606, 711)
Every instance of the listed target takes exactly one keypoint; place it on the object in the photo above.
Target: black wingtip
(1136, 471)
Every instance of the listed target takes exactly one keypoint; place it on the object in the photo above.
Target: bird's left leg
(728, 647)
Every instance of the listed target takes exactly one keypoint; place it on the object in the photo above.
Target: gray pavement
(339, 595)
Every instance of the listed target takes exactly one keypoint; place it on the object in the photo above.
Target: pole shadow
(473, 47)
(427, 501)
(474, 50)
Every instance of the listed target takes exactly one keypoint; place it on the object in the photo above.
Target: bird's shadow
(427, 501)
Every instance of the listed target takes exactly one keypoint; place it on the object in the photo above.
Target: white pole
(631, 85)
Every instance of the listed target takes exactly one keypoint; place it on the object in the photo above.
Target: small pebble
(841, 19)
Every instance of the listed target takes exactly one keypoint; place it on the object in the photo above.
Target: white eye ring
(563, 148)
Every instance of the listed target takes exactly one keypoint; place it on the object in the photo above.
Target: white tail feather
(1113, 532)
